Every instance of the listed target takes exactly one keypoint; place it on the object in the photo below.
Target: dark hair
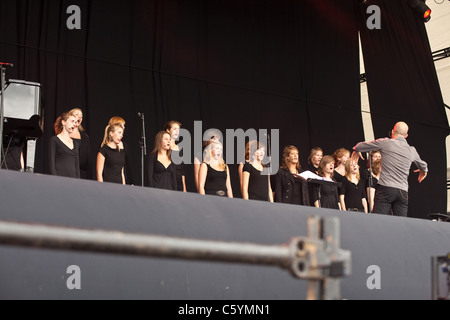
(169, 125)
(157, 144)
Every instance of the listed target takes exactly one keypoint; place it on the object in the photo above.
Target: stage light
(421, 9)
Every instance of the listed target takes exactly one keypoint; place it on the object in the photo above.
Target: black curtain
(263, 64)
(403, 86)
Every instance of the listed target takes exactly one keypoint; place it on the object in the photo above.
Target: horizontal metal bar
(50, 237)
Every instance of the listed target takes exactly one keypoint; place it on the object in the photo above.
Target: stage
(390, 256)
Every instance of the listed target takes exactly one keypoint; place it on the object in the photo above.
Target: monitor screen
(22, 99)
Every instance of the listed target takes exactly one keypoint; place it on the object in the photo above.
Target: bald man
(396, 159)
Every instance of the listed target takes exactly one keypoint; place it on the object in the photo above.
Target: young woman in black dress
(325, 195)
(214, 175)
(353, 191)
(255, 177)
(160, 169)
(123, 147)
(81, 137)
(241, 165)
(63, 151)
(198, 158)
(110, 158)
(173, 128)
(290, 188)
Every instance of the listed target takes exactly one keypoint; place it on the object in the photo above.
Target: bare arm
(364, 202)
(245, 180)
(100, 166)
(203, 171)
(196, 170)
(270, 190)
(229, 189)
(183, 178)
(342, 202)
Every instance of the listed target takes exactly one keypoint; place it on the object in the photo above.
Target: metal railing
(316, 258)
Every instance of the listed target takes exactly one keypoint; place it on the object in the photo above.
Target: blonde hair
(110, 128)
(348, 174)
(117, 120)
(114, 121)
(80, 127)
(208, 151)
(313, 152)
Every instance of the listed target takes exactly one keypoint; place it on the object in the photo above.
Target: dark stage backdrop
(264, 64)
(403, 85)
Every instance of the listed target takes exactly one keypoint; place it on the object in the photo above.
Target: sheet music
(310, 175)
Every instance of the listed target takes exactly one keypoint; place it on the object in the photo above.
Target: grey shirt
(396, 159)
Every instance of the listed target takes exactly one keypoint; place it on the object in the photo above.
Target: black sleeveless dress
(114, 163)
(216, 182)
(258, 184)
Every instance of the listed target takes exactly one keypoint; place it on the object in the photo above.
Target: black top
(354, 193)
(63, 161)
(372, 183)
(159, 176)
(216, 181)
(258, 184)
(127, 168)
(289, 188)
(329, 197)
(86, 168)
(179, 169)
(311, 168)
(114, 163)
(339, 178)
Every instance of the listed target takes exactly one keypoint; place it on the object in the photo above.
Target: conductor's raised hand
(422, 175)
(356, 155)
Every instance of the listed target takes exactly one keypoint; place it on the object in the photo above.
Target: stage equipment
(440, 273)
(21, 113)
(319, 260)
(421, 9)
(143, 145)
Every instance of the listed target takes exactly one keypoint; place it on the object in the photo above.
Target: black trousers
(392, 201)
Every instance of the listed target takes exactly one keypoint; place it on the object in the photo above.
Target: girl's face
(259, 154)
(316, 158)
(329, 167)
(70, 124)
(354, 167)
(293, 157)
(174, 132)
(344, 158)
(79, 116)
(376, 156)
(116, 135)
(165, 142)
(216, 151)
